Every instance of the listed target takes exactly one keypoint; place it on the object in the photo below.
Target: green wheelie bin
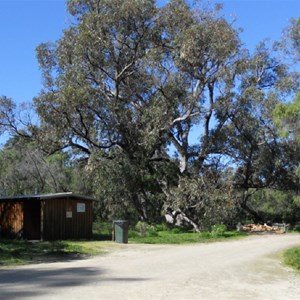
(120, 231)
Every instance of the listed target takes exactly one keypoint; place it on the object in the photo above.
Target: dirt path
(242, 269)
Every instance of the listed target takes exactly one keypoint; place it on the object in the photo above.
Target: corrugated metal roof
(47, 197)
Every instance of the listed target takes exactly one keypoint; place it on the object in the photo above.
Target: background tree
(287, 117)
(277, 205)
(27, 170)
(287, 113)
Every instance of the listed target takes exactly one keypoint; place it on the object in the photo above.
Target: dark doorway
(32, 220)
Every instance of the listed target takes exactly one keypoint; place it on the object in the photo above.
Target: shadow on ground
(23, 283)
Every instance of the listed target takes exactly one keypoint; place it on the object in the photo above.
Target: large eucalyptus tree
(167, 98)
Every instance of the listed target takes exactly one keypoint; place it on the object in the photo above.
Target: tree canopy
(165, 107)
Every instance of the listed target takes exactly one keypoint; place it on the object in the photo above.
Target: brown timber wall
(66, 219)
(11, 219)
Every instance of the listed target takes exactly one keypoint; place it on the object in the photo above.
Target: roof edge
(49, 196)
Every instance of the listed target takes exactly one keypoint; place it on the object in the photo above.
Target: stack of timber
(258, 228)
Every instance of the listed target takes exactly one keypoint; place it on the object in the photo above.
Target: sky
(24, 24)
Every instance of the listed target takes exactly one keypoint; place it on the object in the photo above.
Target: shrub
(145, 229)
(296, 228)
(218, 230)
(161, 227)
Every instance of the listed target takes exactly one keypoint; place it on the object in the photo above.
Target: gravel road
(249, 268)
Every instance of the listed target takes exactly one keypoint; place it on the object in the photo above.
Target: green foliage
(25, 169)
(210, 199)
(127, 87)
(145, 229)
(126, 191)
(298, 171)
(287, 117)
(292, 258)
(130, 79)
(159, 234)
(295, 228)
(276, 206)
(290, 43)
(102, 231)
(162, 227)
(218, 230)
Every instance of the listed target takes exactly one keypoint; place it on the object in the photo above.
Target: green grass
(16, 252)
(181, 237)
(102, 231)
(144, 233)
(291, 258)
(24, 252)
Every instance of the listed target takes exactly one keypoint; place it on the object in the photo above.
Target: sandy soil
(243, 269)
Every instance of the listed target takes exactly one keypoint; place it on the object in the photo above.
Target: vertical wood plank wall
(11, 219)
(56, 224)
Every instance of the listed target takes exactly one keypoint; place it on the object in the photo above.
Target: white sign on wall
(81, 207)
(69, 214)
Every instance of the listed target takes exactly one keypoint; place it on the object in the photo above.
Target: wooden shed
(46, 217)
